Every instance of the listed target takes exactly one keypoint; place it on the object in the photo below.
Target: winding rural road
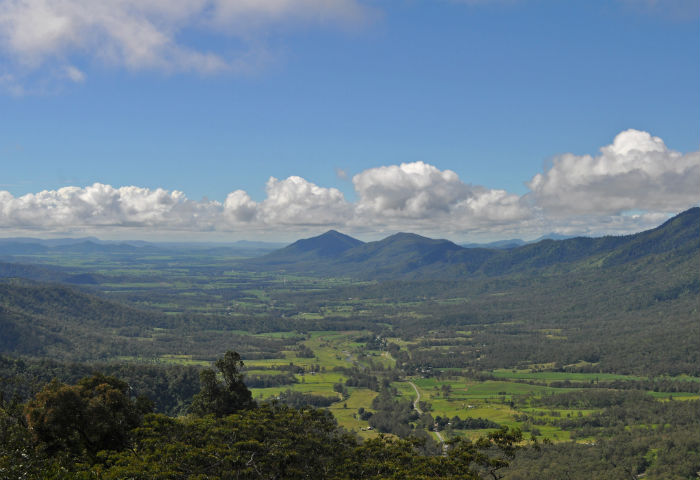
(420, 412)
(415, 402)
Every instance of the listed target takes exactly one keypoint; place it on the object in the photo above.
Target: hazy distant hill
(20, 247)
(33, 246)
(505, 244)
(406, 255)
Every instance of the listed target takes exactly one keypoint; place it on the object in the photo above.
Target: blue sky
(474, 98)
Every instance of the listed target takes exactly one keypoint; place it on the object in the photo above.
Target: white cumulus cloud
(636, 172)
(420, 195)
(102, 205)
(239, 207)
(296, 201)
(633, 184)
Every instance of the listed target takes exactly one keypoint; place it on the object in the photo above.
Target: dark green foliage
(616, 411)
(385, 458)
(305, 352)
(470, 423)
(394, 415)
(278, 442)
(63, 322)
(170, 387)
(271, 441)
(222, 398)
(268, 442)
(51, 319)
(663, 384)
(300, 400)
(666, 453)
(629, 434)
(356, 378)
(96, 414)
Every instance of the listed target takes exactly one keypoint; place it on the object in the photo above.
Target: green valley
(588, 346)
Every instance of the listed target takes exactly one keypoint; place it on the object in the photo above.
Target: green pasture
(183, 360)
(494, 388)
(665, 396)
(261, 373)
(542, 412)
(347, 417)
(489, 399)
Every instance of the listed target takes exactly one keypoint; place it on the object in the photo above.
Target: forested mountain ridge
(41, 319)
(410, 256)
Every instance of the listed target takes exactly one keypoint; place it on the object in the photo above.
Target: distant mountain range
(411, 256)
(515, 242)
(403, 256)
(512, 243)
(35, 246)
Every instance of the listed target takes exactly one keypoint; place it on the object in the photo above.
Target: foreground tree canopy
(95, 430)
(275, 441)
(96, 414)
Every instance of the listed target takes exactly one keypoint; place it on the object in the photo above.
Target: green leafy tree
(223, 398)
(96, 414)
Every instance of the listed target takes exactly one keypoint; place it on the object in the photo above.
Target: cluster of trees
(668, 454)
(304, 352)
(664, 384)
(300, 400)
(394, 415)
(97, 429)
(615, 410)
(629, 434)
(357, 378)
(170, 387)
(470, 423)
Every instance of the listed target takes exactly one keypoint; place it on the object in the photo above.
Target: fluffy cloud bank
(147, 34)
(103, 206)
(290, 202)
(577, 194)
(418, 193)
(636, 172)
